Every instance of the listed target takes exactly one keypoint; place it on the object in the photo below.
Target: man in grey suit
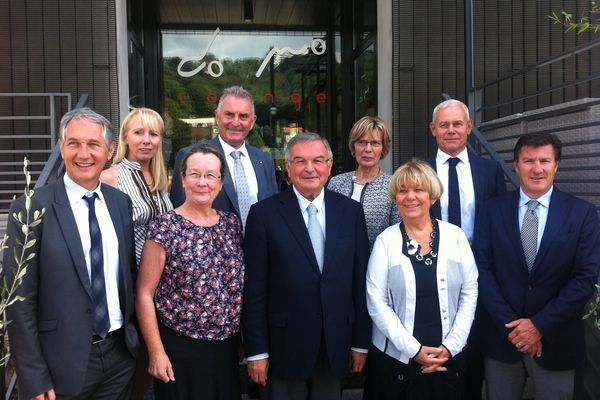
(250, 173)
(73, 335)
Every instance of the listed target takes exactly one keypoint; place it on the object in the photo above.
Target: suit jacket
(227, 199)
(488, 181)
(289, 305)
(554, 294)
(51, 330)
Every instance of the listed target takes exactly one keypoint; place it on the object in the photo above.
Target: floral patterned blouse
(199, 294)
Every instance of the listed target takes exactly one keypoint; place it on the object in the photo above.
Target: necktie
(101, 318)
(453, 192)
(241, 186)
(529, 232)
(316, 235)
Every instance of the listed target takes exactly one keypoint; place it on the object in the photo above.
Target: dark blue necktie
(453, 192)
(101, 318)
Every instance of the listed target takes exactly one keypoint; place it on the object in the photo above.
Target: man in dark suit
(73, 335)
(306, 249)
(477, 179)
(235, 119)
(538, 255)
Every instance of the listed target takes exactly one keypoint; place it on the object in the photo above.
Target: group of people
(424, 279)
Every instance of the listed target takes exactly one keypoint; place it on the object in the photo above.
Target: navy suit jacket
(288, 303)
(488, 181)
(554, 294)
(227, 200)
(51, 330)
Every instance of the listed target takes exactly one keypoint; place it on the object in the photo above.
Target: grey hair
(307, 137)
(89, 114)
(449, 103)
(239, 92)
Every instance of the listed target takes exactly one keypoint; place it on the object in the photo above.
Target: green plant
(594, 309)
(588, 21)
(8, 294)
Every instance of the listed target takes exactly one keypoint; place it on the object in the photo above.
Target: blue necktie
(101, 318)
(241, 186)
(316, 235)
(453, 192)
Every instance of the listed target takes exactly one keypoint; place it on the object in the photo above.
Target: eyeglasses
(373, 143)
(317, 162)
(194, 177)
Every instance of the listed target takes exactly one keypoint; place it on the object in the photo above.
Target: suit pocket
(46, 326)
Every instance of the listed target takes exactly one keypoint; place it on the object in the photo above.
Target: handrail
(475, 133)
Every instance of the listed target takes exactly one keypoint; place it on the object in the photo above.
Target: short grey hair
(89, 114)
(307, 137)
(239, 92)
(449, 103)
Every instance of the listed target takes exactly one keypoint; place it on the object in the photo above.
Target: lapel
(557, 212)
(477, 177)
(436, 209)
(333, 224)
(259, 167)
(292, 217)
(228, 186)
(115, 216)
(68, 226)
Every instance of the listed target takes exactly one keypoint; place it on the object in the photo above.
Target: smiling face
(235, 120)
(536, 167)
(308, 167)
(451, 129)
(367, 150)
(142, 142)
(85, 152)
(199, 188)
(413, 203)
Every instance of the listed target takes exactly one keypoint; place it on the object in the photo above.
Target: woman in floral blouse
(190, 283)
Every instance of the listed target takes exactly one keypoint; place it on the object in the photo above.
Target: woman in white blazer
(421, 295)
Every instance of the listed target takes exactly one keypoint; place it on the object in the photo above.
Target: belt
(99, 339)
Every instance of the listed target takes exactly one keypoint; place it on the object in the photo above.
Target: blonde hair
(152, 120)
(415, 174)
(370, 124)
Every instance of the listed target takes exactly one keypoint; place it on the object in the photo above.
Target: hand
(159, 366)
(48, 395)
(258, 370)
(524, 335)
(357, 361)
(432, 359)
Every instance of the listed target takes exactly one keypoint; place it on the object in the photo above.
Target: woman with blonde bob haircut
(421, 296)
(369, 143)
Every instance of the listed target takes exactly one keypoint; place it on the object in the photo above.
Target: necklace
(413, 247)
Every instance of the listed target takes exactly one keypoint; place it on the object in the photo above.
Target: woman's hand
(432, 359)
(159, 366)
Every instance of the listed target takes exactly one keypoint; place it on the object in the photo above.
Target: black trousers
(389, 379)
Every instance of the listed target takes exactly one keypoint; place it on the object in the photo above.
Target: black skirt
(390, 379)
(204, 369)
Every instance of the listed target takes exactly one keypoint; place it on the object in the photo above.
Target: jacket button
(89, 310)
(400, 377)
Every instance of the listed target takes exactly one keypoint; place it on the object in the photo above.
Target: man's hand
(49, 395)
(258, 371)
(524, 336)
(432, 359)
(357, 361)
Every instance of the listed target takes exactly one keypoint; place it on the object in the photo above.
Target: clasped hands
(525, 337)
(432, 359)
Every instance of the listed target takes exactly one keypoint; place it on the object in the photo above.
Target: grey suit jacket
(226, 200)
(51, 330)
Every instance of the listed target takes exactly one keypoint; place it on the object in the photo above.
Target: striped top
(145, 205)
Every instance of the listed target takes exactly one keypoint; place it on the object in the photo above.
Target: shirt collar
(75, 192)
(131, 164)
(543, 199)
(304, 202)
(443, 157)
(228, 149)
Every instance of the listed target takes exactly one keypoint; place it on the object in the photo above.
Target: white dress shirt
(541, 211)
(110, 244)
(466, 189)
(246, 163)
